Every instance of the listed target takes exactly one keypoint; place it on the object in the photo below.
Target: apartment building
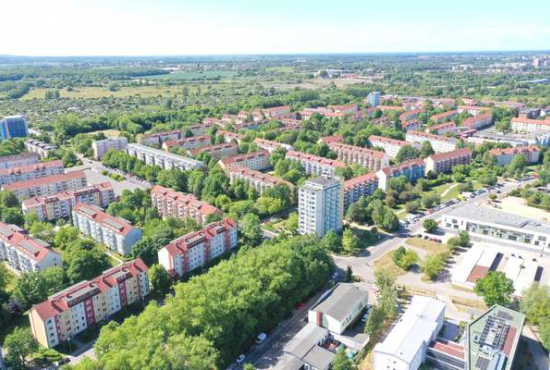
(30, 172)
(439, 143)
(391, 146)
(170, 203)
(444, 162)
(217, 151)
(320, 206)
(187, 143)
(473, 110)
(158, 138)
(100, 147)
(24, 253)
(478, 122)
(114, 232)
(331, 139)
(39, 147)
(164, 160)
(444, 117)
(60, 205)
(505, 156)
(357, 187)
(13, 126)
(196, 249)
(277, 112)
(412, 170)
(271, 145)
(373, 99)
(258, 180)
(47, 185)
(257, 161)
(230, 136)
(411, 125)
(368, 158)
(529, 125)
(315, 165)
(200, 129)
(442, 128)
(411, 114)
(498, 227)
(405, 346)
(75, 309)
(18, 160)
(291, 124)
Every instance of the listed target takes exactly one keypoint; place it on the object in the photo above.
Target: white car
(240, 359)
(365, 317)
(260, 338)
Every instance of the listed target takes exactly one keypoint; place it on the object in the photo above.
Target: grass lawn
(103, 92)
(386, 263)
(427, 245)
(280, 69)
(366, 237)
(11, 282)
(108, 133)
(189, 76)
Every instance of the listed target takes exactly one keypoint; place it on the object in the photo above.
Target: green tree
(406, 153)
(535, 303)
(495, 288)
(545, 335)
(86, 264)
(160, 281)
(20, 344)
(375, 321)
(429, 225)
(426, 150)
(341, 361)
(433, 265)
(35, 287)
(388, 301)
(404, 258)
(430, 200)
(332, 242)
(349, 275)
(251, 229)
(292, 223)
(350, 242)
(384, 278)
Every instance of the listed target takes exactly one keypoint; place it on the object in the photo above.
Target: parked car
(241, 359)
(260, 338)
(365, 317)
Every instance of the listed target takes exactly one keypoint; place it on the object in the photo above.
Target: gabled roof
(117, 224)
(299, 156)
(45, 180)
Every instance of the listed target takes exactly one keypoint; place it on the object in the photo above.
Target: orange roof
(400, 167)
(531, 121)
(453, 154)
(31, 167)
(387, 140)
(442, 125)
(188, 200)
(19, 239)
(213, 148)
(431, 136)
(443, 115)
(299, 156)
(357, 149)
(263, 177)
(469, 122)
(187, 241)
(45, 180)
(369, 177)
(104, 186)
(244, 157)
(517, 150)
(332, 139)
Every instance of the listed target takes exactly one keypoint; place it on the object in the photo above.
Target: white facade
(18, 160)
(30, 172)
(39, 147)
(165, 160)
(101, 147)
(440, 144)
(405, 347)
(320, 206)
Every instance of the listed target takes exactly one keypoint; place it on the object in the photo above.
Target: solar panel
(117, 225)
(505, 315)
(482, 363)
(29, 247)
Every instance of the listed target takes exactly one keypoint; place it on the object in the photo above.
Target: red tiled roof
(104, 186)
(517, 150)
(212, 148)
(244, 157)
(181, 142)
(369, 177)
(263, 177)
(45, 180)
(388, 140)
(31, 167)
(357, 149)
(400, 167)
(469, 122)
(450, 348)
(332, 139)
(442, 125)
(531, 121)
(450, 113)
(187, 241)
(187, 199)
(478, 272)
(472, 107)
(431, 136)
(118, 224)
(299, 156)
(453, 154)
(35, 249)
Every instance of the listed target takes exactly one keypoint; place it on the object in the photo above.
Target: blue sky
(188, 27)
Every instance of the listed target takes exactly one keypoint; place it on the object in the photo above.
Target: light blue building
(13, 126)
(374, 99)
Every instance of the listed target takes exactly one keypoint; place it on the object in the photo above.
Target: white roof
(415, 328)
(522, 273)
(478, 255)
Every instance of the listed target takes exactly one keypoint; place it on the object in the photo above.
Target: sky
(198, 27)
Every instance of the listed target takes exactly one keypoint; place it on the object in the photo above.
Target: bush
(404, 258)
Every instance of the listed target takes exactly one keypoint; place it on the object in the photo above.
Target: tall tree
(495, 288)
(20, 344)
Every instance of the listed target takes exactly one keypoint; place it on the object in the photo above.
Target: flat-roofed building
(391, 146)
(339, 308)
(492, 339)
(114, 232)
(258, 180)
(100, 147)
(187, 143)
(443, 117)
(315, 165)
(60, 205)
(171, 203)
(158, 138)
(507, 155)
(25, 253)
(164, 160)
(271, 145)
(478, 122)
(257, 161)
(13, 126)
(320, 206)
(444, 162)
(440, 144)
(405, 347)
(193, 250)
(357, 187)
(529, 125)
(498, 227)
(75, 309)
(18, 160)
(217, 151)
(473, 110)
(412, 170)
(45, 186)
(39, 147)
(368, 158)
(30, 172)
(310, 348)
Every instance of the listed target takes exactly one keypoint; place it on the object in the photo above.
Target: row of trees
(215, 316)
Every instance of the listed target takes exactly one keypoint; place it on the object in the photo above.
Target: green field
(193, 76)
(104, 92)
